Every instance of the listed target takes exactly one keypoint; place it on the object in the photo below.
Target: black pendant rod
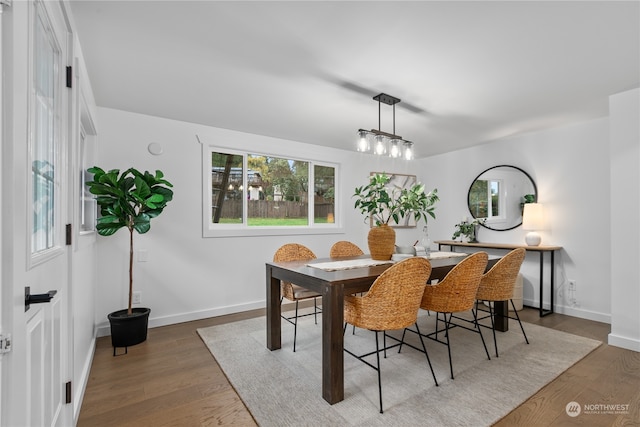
(394, 119)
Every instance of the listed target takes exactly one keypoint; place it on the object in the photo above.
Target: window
(88, 204)
(485, 198)
(45, 122)
(251, 194)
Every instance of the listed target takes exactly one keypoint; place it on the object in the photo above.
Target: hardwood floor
(172, 380)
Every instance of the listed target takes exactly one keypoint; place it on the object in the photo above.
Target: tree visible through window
(484, 198)
(268, 191)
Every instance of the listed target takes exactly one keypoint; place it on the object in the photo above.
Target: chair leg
(384, 343)
(446, 327)
(315, 310)
(475, 319)
(295, 328)
(379, 376)
(402, 340)
(493, 328)
(518, 318)
(425, 352)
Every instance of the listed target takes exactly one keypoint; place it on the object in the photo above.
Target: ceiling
(466, 72)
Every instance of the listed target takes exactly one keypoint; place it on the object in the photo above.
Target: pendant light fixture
(382, 143)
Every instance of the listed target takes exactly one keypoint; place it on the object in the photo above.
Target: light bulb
(363, 143)
(394, 150)
(408, 150)
(380, 145)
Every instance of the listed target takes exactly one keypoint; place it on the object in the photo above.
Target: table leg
(333, 343)
(273, 312)
(501, 317)
(543, 311)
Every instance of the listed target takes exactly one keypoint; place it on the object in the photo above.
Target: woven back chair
(454, 294)
(497, 284)
(392, 303)
(292, 292)
(344, 248)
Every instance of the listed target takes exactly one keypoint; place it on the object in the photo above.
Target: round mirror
(498, 195)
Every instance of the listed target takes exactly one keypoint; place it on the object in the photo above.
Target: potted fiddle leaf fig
(128, 200)
(380, 203)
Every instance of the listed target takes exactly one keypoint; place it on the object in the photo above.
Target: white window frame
(500, 218)
(210, 229)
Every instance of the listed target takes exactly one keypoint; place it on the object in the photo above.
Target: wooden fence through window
(272, 209)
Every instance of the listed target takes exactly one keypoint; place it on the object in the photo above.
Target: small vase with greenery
(468, 229)
(380, 203)
(128, 200)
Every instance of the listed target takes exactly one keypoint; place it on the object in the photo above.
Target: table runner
(368, 262)
(347, 264)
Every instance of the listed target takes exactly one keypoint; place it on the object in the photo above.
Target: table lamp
(533, 220)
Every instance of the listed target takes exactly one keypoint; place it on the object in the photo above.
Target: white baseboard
(103, 329)
(574, 311)
(624, 342)
(81, 385)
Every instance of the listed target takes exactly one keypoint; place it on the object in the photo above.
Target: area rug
(283, 388)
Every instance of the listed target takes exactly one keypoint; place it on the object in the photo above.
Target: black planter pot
(128, 330)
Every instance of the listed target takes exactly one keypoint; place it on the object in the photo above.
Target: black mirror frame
(535, 191)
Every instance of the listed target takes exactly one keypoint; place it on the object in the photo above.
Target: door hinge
(5, 344)
(68, 230)
(67, 392)
(69, 76)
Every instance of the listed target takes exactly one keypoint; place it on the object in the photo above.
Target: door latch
(36, 298)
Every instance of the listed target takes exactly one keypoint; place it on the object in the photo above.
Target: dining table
(334, 278)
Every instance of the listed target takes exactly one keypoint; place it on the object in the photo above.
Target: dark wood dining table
(333, 286)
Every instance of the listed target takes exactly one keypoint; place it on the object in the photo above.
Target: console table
(540, 249)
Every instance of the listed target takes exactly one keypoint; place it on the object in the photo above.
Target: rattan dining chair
(392, 303)
(292, 292)
(456, 293)
(344, 248)
(497, 284)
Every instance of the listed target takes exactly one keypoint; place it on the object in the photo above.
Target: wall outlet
(572, 285)
(143, 255)
(137, 297)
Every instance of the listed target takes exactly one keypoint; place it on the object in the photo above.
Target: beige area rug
(283, 388)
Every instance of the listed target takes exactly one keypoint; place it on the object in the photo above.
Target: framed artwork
(399, 182)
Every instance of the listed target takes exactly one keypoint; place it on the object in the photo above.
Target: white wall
(573, 183)
(187, 276)
(624, 111)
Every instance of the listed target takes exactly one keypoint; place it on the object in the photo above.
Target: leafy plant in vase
(379, 203)
(128, 200)
(468, 229)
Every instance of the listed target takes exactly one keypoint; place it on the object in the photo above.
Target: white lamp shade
(533, 217)
(533, 220)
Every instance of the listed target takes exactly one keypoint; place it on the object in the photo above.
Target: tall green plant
(381, 203)
(128, 200)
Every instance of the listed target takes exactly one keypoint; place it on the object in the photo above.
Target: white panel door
(33, 224)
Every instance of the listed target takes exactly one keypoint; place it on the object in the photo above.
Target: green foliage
(380, 203)
(129, 199)
(467, 229)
